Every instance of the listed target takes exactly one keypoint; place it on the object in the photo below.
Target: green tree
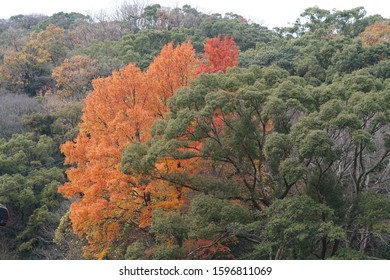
(29, 176)
(260, 136)
(292, 229)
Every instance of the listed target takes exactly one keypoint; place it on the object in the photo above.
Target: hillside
(168, 133)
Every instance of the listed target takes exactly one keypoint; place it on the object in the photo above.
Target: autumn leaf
(219, 54)
(120, 111)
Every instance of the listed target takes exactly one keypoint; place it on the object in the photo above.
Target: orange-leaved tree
(219, 54)
(173, 69)
(120, 111)
(379, 32)
(73, 77)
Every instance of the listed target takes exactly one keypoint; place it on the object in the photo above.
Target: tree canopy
(169, 133)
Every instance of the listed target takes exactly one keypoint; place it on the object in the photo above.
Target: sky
(271, 13)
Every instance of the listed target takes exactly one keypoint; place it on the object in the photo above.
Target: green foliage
(277, 53)
(167, 226)
(292, 229)
(38, 122)
(373, 211)
(64, 20)
(326, 189)
(28, 186)
(60, 125)
(28, 237)
(139, 48)
(209, 216)
(349, 254)
(207, 219)
(346, 22)
(284, 158)
(327, 142)
(66, 120)
(135, 251)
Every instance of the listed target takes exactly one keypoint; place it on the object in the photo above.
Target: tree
(150, 15)
(219, 55)
(315, 18)
(378, 32)
(29, 177)
(245, 34)
(339, 148)
(292, 227)
(129, 14)
(26, 71)
(73, 77)
(26, 21)
(13, 39)
(118, 112)
(63, 20)
(217, 133)
(288, 159)
(282, 55)
(172, 69)
(53, 40)
(261, 137)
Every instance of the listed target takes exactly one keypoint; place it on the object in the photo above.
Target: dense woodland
(167, 133)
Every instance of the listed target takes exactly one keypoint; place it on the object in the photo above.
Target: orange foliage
(173, 69)
(219, 55)
(207, 249)
(376, 33)
(120, 111)
(73, 76)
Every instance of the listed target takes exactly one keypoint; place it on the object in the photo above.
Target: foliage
(261, 135)
(62, 20)
(120, 111)
(73, 77)
(219, 55)
(29, 179)
(292, 227)
(175, 153)
(376, 33)
(26, 70)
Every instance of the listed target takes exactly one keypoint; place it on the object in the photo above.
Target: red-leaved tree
(219, 54)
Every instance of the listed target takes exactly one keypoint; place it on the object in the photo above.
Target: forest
(167, 133)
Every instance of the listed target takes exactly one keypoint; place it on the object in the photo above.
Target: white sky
(268, 12)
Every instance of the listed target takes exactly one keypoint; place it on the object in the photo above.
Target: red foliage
(207, 249)
(219, 55)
